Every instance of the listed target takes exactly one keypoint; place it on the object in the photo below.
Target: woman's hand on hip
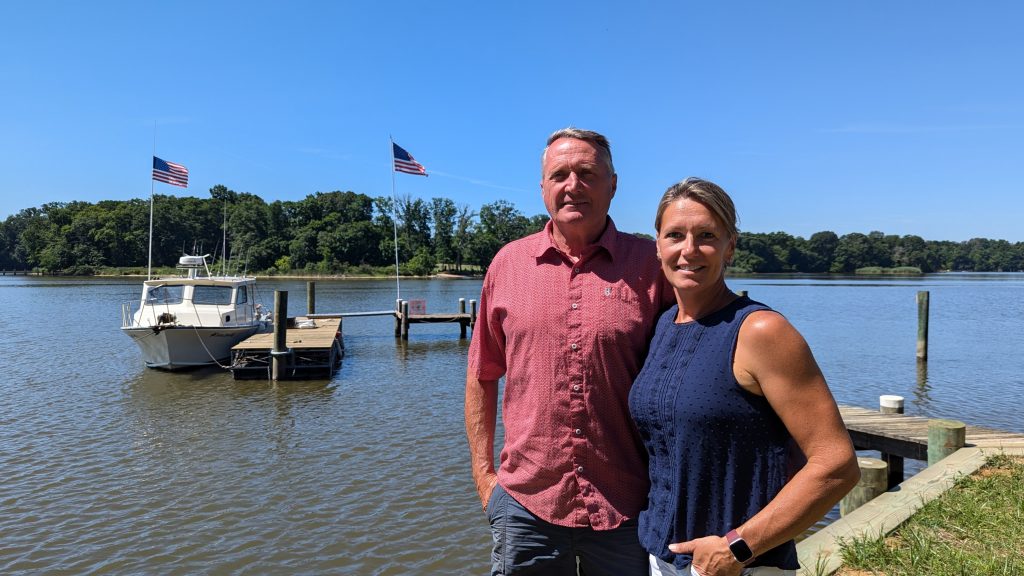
(711, 556)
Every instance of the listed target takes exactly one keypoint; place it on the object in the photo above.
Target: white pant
(661, 568)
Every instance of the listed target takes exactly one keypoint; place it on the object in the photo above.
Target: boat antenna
(224, 228)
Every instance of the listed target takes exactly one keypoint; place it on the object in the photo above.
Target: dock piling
(922, 324)
(462, 325)
(280, 350)
(398, 317)
(310, 298)
(944, 438)
(891, 404)
(405, 319)
(874, 474)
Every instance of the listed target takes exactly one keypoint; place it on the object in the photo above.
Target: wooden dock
(901, 436)
(314, 351)
(403, 318)
(907, 436)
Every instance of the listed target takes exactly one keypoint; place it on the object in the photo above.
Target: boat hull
(178, 347)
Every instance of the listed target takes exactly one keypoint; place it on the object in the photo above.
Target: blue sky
(903, 117)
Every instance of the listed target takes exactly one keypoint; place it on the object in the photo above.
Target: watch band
(739, 548)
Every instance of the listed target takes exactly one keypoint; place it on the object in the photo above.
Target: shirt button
(579, 432)
(574, 346)
(575, 387)
(579, 469)
(576, 270)
(575, 305)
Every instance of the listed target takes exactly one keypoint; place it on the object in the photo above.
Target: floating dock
(314, 350)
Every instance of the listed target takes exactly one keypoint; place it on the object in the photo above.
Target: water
(111, 468)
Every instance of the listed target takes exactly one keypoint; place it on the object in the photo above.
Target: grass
(897, 271)
(977, 528)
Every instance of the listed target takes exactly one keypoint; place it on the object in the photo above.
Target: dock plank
(322, 336)
(907, 436)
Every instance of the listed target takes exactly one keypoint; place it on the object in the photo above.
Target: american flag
(170, 173)
(404, 162)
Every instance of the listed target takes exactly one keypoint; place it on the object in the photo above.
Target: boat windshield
(166, 294)
(211, 294)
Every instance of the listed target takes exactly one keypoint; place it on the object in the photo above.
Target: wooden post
(922, 324)
(472, 313)
(278, 355)
(405, 319)
(889, 404)
(873, 478)
(944, 438)
(398, 318)
(310, 297)
(462, 323)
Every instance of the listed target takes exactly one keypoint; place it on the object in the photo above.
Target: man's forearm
(481, 413)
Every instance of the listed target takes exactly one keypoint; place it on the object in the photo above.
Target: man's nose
(572, 183)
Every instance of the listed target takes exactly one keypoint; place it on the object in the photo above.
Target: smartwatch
(739, 548)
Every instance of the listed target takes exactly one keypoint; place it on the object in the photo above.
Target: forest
(348, 233)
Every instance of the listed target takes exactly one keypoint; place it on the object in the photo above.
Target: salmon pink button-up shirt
(569, 338)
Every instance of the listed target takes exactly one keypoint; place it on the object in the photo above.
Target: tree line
(352, 233)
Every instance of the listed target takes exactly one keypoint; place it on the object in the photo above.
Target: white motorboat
(194, 319)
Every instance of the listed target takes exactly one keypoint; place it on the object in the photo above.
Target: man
(565, 317)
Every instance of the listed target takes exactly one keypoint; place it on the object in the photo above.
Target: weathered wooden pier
(312, 348)
(403, 318)
(952, 450)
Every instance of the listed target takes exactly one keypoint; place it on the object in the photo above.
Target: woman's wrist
(738, 546)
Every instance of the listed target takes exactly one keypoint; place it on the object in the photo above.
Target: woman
(728, 388)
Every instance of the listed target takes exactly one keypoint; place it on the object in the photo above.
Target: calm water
(111, 468)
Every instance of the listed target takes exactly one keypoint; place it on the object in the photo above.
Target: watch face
(740, 550)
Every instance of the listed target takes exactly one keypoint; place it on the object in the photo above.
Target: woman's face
(693, 246)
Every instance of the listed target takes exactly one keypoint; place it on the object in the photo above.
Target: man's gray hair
(596, 139)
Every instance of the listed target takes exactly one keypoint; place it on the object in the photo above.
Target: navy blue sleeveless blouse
(718, 454)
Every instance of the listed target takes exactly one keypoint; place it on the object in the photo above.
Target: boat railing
(128, 314)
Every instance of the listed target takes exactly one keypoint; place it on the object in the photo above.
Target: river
(112, 468)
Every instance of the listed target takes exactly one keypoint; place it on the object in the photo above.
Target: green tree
(821, 248)
(500, 223)
(443, 213)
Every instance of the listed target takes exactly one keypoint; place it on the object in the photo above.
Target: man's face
(577, 186)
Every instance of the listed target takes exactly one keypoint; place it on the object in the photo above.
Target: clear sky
(904, 117)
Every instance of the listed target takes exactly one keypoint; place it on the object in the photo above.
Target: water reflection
(922, 396)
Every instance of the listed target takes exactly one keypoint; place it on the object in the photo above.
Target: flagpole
(152, 187)
(394, 219)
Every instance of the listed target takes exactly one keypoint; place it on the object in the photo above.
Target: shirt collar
(607, 240)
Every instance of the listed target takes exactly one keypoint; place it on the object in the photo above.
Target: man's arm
(481, 421)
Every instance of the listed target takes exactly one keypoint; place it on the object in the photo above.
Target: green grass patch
(897, 271)
(976, 527)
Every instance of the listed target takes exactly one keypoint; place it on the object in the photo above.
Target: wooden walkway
(315, 351)
(907, 436)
